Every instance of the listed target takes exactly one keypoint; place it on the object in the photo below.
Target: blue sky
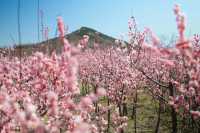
(107, 16)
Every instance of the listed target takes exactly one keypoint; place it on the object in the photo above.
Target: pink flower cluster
(40, 94)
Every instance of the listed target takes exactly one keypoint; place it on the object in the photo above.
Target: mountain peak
(94, 35)
(55, 44)
(87, 29)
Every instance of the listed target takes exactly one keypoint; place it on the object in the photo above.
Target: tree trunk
(108, 125)
(158, 120)
(125, 110)
(135, 112)
(96, 102)
(120, 110)
(173, 112)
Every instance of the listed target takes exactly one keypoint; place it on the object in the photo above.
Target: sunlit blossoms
(85, 90)
(44, 99)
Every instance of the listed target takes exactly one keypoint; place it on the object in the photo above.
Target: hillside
(73, 37)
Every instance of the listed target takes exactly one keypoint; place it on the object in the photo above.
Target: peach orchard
(83, 90)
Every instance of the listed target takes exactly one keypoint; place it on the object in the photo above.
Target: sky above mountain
(107, 16)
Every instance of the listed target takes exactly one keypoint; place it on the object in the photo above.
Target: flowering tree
(65, 92)
(41, 94)
(170, 72)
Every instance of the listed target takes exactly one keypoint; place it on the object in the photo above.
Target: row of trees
(85, 90)
(170, 74)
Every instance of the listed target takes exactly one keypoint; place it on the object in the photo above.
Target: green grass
(147, 108)
(147, 116)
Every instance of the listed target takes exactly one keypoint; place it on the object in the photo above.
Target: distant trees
(95, 91)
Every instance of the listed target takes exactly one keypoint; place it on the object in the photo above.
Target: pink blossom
(84, 41)
(61, 27)
(195, 114)
(101, 92)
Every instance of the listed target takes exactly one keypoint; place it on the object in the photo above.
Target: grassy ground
(146, 119)
(147, 109)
